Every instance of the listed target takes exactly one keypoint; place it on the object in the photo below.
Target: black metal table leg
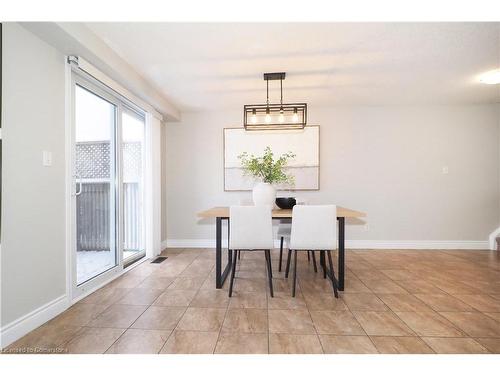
(220, 276)
(233, 271)
(341, 251)
(218, 253)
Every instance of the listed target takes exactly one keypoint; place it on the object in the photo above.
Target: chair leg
(233, 271)
(294, 272)
(314, 261)
(270, 263)
(308, 255)
(324, 263)
(269, 271)
(334, 280)
(287, 270)
(281, 253)
(239, 255)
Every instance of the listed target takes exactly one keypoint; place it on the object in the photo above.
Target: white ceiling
(199, 66)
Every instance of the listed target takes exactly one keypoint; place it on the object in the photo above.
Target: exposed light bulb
(490, 78)
(268, 116)
(282, 116)
(295, 117)
(253, 119)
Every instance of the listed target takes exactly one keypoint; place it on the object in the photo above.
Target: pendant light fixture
(282, 116)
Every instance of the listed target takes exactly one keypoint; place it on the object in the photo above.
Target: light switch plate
(47, 158)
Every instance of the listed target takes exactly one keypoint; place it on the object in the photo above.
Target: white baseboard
(417, 245)
(20, 327)
(25, 324)
(187, 243)
(352, 244)
(493, 239)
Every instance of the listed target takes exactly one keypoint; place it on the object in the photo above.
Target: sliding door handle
(79, 181)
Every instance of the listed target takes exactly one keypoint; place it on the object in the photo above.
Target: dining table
(222, 214)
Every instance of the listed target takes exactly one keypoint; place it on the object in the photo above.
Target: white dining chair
(245, 202)
(284, 232)
(251, 230)
(313, 228)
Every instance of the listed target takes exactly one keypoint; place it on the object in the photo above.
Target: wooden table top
(277, 213)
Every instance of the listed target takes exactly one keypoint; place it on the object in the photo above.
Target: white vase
(264, 194)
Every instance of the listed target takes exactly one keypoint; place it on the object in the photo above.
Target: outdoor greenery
(266, 168)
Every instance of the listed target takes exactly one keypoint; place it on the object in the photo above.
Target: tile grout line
(227, 307)
(310, 316)
(178, 322)
(444, 317)
(435, 311)
(98, 315)
(147, 308)
(395, 314)
(354, 316)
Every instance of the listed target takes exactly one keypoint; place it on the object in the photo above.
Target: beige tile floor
(395, 301)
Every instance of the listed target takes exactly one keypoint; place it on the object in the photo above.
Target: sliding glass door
(108, 211)
(95, 176)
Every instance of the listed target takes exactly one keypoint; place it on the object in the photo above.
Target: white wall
(386, 161)
(33, 199)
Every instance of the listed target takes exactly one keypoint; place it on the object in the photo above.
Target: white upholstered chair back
(251, 228)
(314, 227)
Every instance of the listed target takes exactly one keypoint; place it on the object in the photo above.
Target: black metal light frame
(287, 109)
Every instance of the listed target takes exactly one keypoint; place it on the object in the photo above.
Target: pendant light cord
(281, 89)
(267, 92)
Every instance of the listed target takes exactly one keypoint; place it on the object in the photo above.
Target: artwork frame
(309, 174)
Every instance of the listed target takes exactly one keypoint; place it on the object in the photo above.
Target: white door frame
(152, 193)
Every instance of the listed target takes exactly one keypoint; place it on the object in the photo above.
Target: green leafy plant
(266, 167)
